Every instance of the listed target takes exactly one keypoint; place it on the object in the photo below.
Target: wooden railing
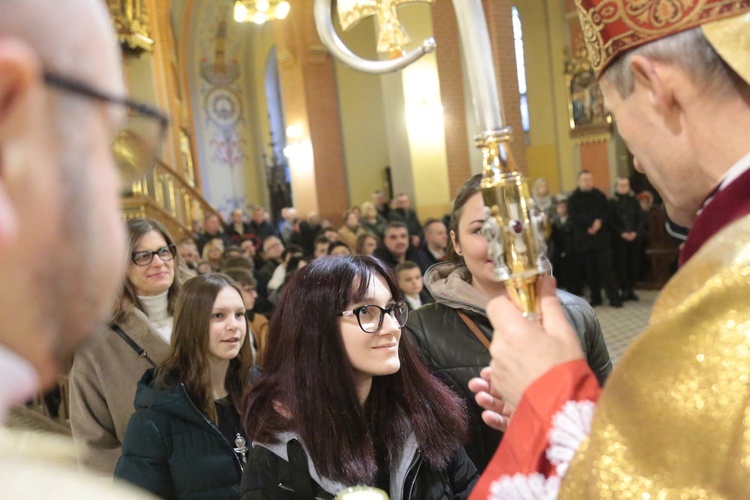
(164, 195)
(49, 411)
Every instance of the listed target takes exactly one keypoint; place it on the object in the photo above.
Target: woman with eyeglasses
(185, 439)
(212, 253)
(107, 369)
(344, 400)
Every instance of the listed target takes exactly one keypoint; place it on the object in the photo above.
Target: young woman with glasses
(343, 399)
(107, 369)
(185, 439)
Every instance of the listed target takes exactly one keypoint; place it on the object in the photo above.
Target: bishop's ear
(657, 79)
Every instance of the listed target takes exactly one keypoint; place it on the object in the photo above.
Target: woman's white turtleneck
(156, 310)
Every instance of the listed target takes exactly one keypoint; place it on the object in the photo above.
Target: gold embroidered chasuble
(681, 392)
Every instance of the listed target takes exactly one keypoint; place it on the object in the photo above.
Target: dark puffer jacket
(283, 471)
(174, 451)
(455, 355)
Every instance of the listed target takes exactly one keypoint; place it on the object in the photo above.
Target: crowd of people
(168, 389)
(161, 403)
(595, 241)
(272, 252)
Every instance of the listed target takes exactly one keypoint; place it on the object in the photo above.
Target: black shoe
(595, 302)
(630, 295)
(615, 303)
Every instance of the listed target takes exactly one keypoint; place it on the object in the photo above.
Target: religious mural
(589, 121)
(223, 144)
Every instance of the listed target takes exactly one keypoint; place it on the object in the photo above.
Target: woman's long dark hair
(187, 361)
(307, 385)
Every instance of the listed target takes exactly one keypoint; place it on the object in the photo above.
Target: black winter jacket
(627, 215)
(174, 451)
(282, 471)
(455, 355)
(583, 208)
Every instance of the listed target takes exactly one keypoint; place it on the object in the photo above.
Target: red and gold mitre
(613, 27)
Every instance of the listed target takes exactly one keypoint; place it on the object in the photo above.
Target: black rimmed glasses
(370, 317)
(138, 140)
(145, 257)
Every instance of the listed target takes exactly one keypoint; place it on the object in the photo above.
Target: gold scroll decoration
(131, 21)
(392, 37)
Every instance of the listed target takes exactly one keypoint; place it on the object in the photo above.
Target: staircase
(164, 195)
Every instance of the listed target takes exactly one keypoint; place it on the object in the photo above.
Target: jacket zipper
(287, 488)
(417, 463)
(213, 426)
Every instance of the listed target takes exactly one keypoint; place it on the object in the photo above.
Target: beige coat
(350, 237)
(259, 329)
(103, 380)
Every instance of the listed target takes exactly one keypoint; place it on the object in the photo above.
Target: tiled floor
(621, 326)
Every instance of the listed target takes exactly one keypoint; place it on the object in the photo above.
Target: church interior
(262, 114)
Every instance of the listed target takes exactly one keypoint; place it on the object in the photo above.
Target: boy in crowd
(410, 282)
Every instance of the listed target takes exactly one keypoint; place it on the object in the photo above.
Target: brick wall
(500, 25)
(452, 94)
(452, 91)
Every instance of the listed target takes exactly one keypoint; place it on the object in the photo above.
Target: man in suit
(404, 213)
(591, 216)
(435, 243)
(396, 248)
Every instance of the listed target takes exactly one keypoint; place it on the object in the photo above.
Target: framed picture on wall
(589, 122)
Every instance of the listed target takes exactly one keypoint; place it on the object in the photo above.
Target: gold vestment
(674, 418)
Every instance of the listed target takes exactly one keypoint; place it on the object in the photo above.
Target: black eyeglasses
(370, 317)
(145, 257)
(137, 142)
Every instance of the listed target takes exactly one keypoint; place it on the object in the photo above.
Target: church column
(595, 154)
(453, 96)
(414, 117)
(311, 110)
(165, 73)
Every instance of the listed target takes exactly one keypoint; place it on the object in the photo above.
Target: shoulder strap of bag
(474, 329)
(132, 343)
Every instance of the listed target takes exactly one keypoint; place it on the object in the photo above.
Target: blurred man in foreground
(63, 101)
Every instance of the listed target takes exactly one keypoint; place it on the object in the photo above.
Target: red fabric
(612, 28)
(522, 450)
(726, 206)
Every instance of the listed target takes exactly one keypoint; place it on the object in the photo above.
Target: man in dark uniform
(592, 238)
(630, 229)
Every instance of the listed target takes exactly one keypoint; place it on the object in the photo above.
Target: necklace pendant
(241, 447)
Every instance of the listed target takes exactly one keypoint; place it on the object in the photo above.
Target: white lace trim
(570, 426)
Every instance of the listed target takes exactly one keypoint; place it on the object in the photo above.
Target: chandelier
(260, 11)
